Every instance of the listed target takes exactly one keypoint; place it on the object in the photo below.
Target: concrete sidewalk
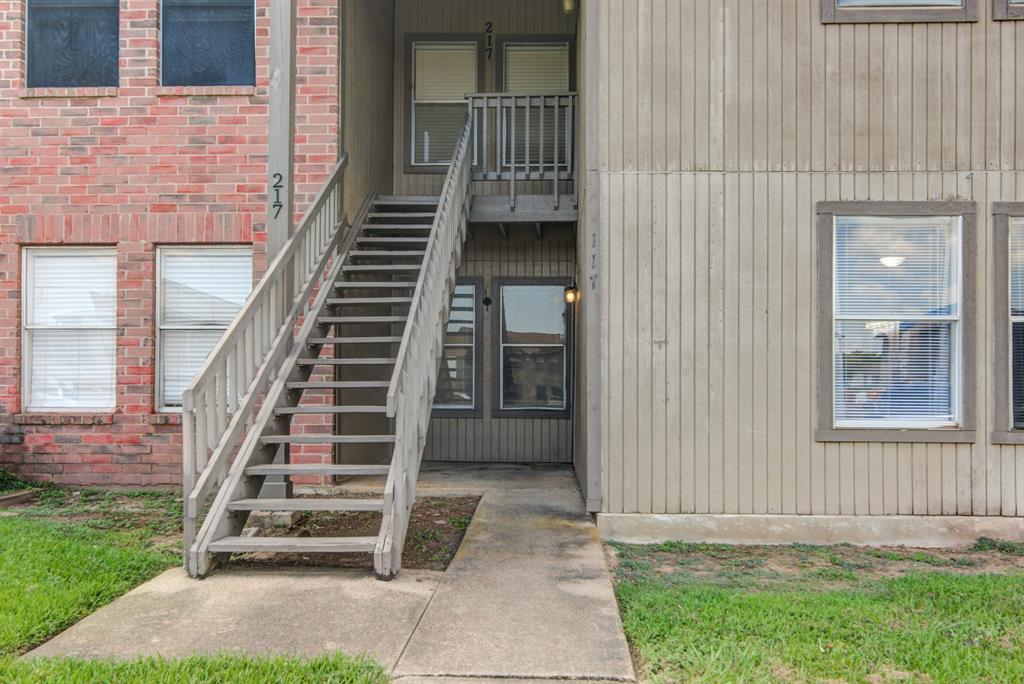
(528, 597)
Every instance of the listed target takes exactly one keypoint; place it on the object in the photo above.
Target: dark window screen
(71, 43)
(1017, 370)
(208, 42)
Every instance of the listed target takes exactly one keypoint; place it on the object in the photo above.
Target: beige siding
(721, 123)
(506, 440)
(466, 17)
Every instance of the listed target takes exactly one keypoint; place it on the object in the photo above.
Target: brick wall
(137, 167)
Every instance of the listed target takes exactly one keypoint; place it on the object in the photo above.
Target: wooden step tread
(362, 319)
(306, 505)
(404, 253)
(371, 285)
(317, 469)
(389, 339)
(294, 545)
(401, 227)
(328, 439)
(400, 215)
(380, 267)
(346, 362)
(364, 301)
(407, 199)
(390, 240)
(341, 384)
(311, 410)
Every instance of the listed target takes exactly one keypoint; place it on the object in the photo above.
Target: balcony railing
(521, 137)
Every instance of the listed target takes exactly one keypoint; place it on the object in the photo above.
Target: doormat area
(436, 529)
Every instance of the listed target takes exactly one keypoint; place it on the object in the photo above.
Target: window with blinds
(71, 43)
(200, 292)
(896, 327)
(536, 69)
(899, 3)
(534, 347)
(208, 42)
(1016, 312)
(456, 382)
(69, 324)
(443, 74)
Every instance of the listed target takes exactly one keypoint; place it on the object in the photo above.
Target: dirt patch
(436, 529)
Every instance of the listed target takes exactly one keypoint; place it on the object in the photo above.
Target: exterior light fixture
(892, 261)
(572, 294)
(568, 6)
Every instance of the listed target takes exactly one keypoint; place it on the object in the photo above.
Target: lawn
(706, 613)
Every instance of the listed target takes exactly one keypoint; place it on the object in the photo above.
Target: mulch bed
(435, 532)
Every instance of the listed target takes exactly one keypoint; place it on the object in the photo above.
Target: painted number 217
(277, 185)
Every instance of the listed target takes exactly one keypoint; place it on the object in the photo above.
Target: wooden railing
(411, 392)
(222, 402)
(524, 137)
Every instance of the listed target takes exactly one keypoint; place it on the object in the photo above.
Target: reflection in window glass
(208, 42)
(1017, 319)
(896, 328)
(455, 386)
(534, 330)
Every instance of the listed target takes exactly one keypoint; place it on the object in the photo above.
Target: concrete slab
(527, 596)
(468, 479)
(255, 613)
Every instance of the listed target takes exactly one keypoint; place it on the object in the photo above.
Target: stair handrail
(410, 393)
(221, 401)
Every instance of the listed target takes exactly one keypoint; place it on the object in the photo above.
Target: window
(442, 75)
(536, 68)
(456, 385)
(71, 43)
(882, 11)
(208, 42)
(1008, 331)
(898, 333)
(69, 328)
(1003, 10)
(533, 330)
(201, 291)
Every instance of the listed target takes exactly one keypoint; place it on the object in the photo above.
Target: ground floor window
(1008, 328)
(69, 324)
(457, 382)
(533, 341)
(200, 292)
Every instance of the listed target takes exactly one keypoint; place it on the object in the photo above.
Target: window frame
(831, 13)
(1002, 431)
(161, 60)
(27, 286)
(497, 410)
(826, 214)
(410, 167)
(477, 410)
(178, 250)
(26, 54)
(1004, 10)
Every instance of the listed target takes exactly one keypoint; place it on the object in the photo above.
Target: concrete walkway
(527, 598)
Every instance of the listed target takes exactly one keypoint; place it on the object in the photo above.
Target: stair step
(361, 319)
(369, 285)
(340, 384)
(328, 439)
(375, 215)
(353, 340)
(390, 240)
(294, 545)
(397, 227)
(346, 362)
(403, 253)
(431, 200)
(366, 301)
(306, 505)
(318, 469)
(380, 267)
(304, 410)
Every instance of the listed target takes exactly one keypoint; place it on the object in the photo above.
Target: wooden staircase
(373, 301)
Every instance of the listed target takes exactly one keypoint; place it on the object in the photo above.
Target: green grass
(335, 669)
(823, 614)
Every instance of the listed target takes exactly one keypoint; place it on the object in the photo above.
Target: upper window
(898, 333)
(69, 328)
(71, 43)
(1007, 9)
(456, 384)
(442, 75)
(201, 292)
(208, 42)
(536, 69)
(534, 348)
(1008, 329)
(903, 11)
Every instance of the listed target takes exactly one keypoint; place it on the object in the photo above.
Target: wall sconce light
(572, 294)
(568, 6)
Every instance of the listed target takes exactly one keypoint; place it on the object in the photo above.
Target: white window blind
(536, 69)
(896, 304)
(201, 291)
(456, 383)
(70, 323)
(443, 74)
(899, 3)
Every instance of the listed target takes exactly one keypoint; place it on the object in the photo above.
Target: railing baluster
(512, 182)
(554, 182)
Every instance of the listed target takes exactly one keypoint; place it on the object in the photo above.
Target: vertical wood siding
(463, 16)
(505, 440)
(721, 123)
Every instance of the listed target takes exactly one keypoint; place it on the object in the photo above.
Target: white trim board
(928, 531)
